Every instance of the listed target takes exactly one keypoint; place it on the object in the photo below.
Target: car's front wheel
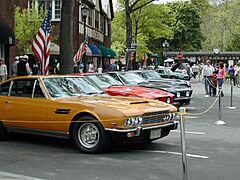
(3, 132)
(89, 136)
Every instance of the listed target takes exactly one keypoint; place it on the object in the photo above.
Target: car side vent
(62, 111)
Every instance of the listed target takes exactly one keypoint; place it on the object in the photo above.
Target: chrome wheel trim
(88, 135)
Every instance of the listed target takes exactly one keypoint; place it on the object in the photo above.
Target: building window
(54, 5)
(102, 23)
(2, 51)
(90, 17)
(96, 19)
(106, 27)
(57, 9)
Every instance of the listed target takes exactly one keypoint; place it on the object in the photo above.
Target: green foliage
(187, 31)
(28, 22)
(221, 26)
(149, 24)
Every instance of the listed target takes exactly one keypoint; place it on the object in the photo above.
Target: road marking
(190, 132)
(192, 117)
(6, 175)
(177, 153)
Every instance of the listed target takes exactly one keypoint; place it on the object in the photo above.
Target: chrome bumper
(138, 129)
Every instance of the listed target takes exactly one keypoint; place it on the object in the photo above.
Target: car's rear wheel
(89, 136)
(3, 132)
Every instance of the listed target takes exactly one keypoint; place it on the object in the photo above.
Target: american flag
(41, 43)
(82, 49)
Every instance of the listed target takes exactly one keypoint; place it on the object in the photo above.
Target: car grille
(154, 117)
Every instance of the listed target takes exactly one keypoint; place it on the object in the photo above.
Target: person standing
(207, 74)
(195, 70)
(91, 67)
(231, 73)
(214, 83)
(23, 68)
(221, 77)
(3, 71)
(14, 66)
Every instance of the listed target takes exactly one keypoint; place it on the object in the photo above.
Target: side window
(22, 88)
(38, 93)
(115, 77)
(4, 88)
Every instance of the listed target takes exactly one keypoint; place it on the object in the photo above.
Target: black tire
(3, 132)
(80, 131)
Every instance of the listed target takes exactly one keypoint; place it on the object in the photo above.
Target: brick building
(7, 38)
(98, 27)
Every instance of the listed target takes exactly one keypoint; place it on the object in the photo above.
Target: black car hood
(173, 88)
(171, 82)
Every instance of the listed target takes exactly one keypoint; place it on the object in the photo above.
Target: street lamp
(165, 47)
(84, 12)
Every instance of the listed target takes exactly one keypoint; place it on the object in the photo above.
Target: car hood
(126, 105)
(172, 88)
(167, 80)
(138, 92)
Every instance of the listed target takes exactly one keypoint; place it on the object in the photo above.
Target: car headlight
(168, 100)
(178, 94)
(134, 121)
(187, 93)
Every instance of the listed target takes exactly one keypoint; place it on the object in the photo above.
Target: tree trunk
(128, 34)
(66, 37)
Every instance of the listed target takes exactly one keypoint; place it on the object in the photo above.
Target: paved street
(213, 151)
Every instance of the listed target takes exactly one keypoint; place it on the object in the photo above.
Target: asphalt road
(213, 151)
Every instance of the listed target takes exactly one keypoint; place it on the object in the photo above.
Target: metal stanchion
(220, 122)
(231, 99)
(183, 144)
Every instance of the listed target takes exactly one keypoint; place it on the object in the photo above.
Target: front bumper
(173, 123)
(140, 134)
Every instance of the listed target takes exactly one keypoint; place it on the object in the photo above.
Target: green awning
(107, 52)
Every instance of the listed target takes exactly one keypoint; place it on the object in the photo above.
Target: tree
(66, 37)
(28, 22)
(149, 24)
(187, 30)
(221, 26)
(130, 7)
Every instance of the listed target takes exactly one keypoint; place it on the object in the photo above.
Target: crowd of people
(20, 67)
(214, 77)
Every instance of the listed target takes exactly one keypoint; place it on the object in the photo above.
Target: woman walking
(221, 77)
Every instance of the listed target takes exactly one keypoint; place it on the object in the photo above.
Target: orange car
(74, 107)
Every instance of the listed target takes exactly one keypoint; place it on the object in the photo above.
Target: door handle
(8, 102)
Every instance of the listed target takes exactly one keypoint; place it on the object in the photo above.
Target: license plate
(155, 133)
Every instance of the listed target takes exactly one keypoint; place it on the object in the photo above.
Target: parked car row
(79, 107)
(74, 107)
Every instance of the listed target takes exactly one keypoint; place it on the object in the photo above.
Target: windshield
(104, 80)
(59, 87)
(131, 79)
(152, 75)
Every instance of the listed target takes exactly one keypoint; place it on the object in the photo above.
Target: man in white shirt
(14, 66)
(207, 74)
(3, 71)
